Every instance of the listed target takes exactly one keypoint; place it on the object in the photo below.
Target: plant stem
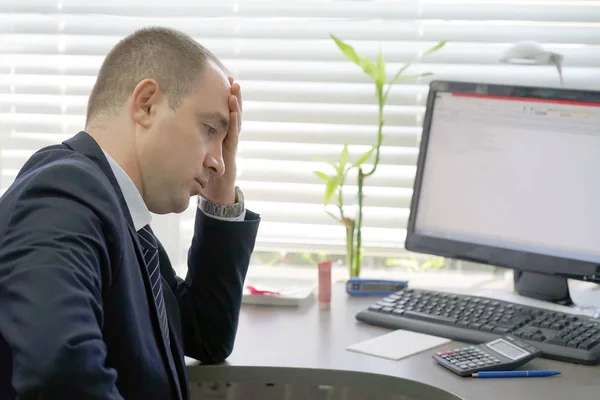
(358, 248)
(379, 140)
(341, 203)
(350, 246)
(349, 225)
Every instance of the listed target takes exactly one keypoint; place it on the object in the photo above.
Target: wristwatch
(225, 210)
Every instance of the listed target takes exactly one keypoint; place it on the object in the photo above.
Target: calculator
(503, 354)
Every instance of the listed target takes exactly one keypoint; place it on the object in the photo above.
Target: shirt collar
(140, 214)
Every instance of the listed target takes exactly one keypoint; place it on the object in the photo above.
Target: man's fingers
(233, 106)
(234, 121)
(236, 90)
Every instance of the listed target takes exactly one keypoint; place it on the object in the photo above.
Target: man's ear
(145, 98)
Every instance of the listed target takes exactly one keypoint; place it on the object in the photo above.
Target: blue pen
(514, 374)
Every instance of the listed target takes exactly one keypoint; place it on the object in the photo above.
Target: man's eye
(211, 130)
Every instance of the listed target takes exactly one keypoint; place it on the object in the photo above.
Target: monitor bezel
(484, 254)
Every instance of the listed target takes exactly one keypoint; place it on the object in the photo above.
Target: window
(303, 99)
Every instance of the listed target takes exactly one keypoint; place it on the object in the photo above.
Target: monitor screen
(511, 172)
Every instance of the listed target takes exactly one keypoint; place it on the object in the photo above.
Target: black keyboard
(472, 319)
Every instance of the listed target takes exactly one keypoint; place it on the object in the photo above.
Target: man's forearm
(210, 297)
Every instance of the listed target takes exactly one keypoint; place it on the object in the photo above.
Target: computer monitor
(510, 176)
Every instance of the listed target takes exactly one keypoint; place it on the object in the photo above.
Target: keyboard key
(375, 307)
(538, 337)
(546, 324)
(589, 344)
(430, 318)
(558, 341)
(501, 330)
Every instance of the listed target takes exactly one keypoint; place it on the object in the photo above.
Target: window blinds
(302, 98)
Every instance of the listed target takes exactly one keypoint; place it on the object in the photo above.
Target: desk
(306, 344)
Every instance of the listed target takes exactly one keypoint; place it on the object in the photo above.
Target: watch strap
(225, 210)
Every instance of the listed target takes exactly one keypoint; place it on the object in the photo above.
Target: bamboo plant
(335, 182)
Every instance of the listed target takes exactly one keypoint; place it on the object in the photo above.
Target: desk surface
(308, 338)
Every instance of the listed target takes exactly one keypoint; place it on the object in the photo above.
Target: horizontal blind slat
(469, 10)
(323, 49)
(316, 72)
(292, 28)
(252, 131)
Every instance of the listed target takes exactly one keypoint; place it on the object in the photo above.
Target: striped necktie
(150, 251)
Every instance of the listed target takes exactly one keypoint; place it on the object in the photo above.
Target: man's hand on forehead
(235, 101)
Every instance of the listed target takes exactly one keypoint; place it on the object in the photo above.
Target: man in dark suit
(90, 307)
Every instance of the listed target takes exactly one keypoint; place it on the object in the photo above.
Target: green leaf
(364, 157)
(343, 157)
(397, 77)
(435, 48)
(332, 185)
(346, 49)
(322, 175)
(369, 68)
(367, 65)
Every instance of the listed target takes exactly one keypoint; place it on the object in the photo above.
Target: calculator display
(507, 349)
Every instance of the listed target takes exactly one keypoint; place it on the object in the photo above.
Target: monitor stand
(543, 287)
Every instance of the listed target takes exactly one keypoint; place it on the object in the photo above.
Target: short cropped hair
(172, 58)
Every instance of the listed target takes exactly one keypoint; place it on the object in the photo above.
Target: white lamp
(528, 52)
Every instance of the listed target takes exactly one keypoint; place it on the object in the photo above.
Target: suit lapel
(84, 144)
(176, 349)
(169, 361)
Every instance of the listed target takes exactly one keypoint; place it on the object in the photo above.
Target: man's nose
(215, 164)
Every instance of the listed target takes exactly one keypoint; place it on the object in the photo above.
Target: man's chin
(181, 206)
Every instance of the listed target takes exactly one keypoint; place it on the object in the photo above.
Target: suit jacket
(77, 317)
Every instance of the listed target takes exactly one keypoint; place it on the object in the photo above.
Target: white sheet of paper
(398, 344)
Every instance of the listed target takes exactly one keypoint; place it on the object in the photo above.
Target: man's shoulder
(61, 170)
(59, 161)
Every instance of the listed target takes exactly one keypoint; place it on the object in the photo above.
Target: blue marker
(515, 374)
